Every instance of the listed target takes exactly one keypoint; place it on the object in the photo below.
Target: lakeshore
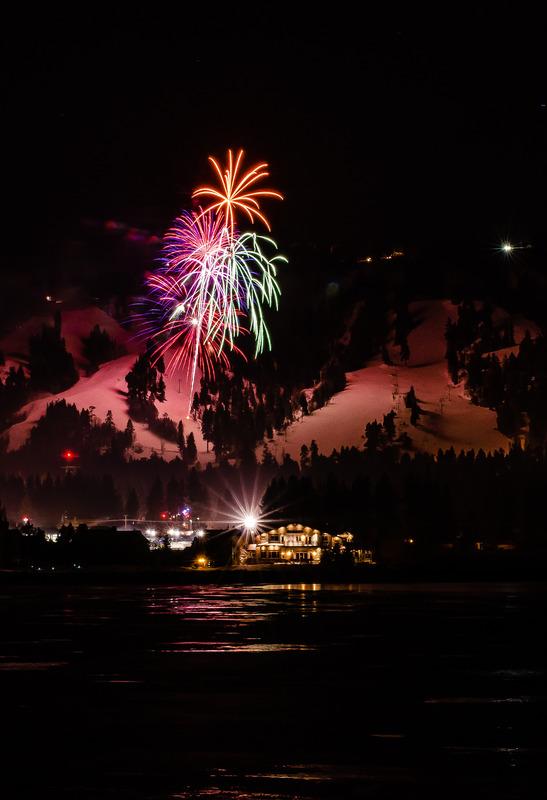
(504, 568)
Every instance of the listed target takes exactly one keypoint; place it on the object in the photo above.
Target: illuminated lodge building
(295, 544)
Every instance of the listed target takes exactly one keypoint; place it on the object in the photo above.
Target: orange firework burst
(236, 192)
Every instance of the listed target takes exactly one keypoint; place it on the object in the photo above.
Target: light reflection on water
(481, 700)
(29, 666)
(235, 794)
(314, 688)
(226, 647)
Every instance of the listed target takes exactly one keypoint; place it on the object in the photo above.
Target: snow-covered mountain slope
(449, 418)
(105, 389)
(75, 325)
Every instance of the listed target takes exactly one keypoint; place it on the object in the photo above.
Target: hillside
(105, 389)
(75, 325)
(449, 418)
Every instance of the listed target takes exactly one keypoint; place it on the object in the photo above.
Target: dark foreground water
(266, 692)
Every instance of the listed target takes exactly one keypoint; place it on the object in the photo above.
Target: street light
(250, 522)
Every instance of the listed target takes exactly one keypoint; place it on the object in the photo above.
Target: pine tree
(141, 379)
(4, 525)
(373, 436)
(160, 390)
(129, 434)
(260, 422)
(207, 425)
(247, 459)
(526, 350)
(389, 425)
(180, 438)
(268, 459)
(204, 398)
(109, 498)
(304, 457)
(98, 347)
(195, 489)
(453, 363)
(132, 504)
(191, 451)
(410, 398)
(155, 501)
(174, 496)
(51, 365)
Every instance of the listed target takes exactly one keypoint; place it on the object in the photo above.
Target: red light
(69, 455)
(164, 515)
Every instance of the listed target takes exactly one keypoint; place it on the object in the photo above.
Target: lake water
(274, 692)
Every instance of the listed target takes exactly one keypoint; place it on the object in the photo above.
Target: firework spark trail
(196, 249)
(255, 275)
(236, 192)
(212, 277)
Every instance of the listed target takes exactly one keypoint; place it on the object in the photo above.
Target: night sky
(410, 130)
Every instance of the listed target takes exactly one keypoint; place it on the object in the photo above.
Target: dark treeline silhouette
(473, 334)
(14, 392)
(393, 503)
(26, 546)
(448, 502)
(51, 366)
(144, 489)
(258, 398)
(64, 427)
(514, 385)
(99, 347)
(140, 488)
(145, 385)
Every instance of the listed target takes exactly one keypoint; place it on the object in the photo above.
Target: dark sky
(406, 129)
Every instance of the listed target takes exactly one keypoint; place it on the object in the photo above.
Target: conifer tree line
(50, 367)
(99, 347)
(514, 385)
(14, 392)
(450, 500)
(382, 496)
(238, 410)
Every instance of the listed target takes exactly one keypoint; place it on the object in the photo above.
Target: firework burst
(214, 281)
(236, 191)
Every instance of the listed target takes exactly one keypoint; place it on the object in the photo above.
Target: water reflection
(276, 691)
